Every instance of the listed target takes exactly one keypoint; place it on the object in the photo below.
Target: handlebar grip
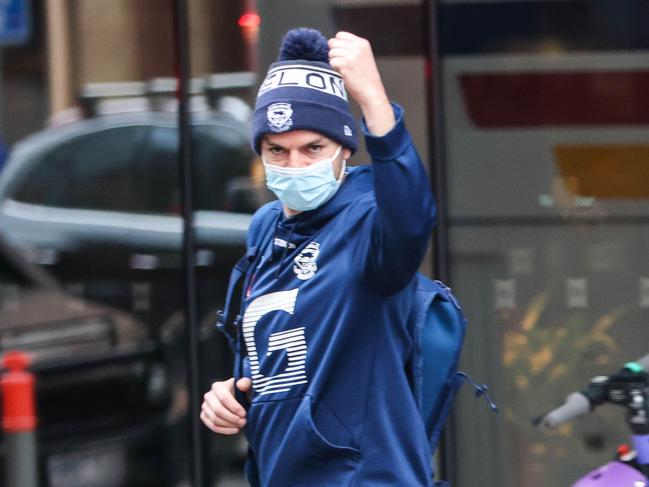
(576, 405)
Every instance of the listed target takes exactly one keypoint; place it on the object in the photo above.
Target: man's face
(301, 148)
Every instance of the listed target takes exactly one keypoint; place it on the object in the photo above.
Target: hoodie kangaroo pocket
(292, 451)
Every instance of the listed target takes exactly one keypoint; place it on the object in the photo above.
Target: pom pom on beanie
(304, 43)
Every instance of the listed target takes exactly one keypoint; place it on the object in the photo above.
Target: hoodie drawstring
(288, 242)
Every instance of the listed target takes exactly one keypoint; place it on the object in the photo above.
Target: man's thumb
(244, 384)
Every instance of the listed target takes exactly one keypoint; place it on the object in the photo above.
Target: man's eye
(315, 148)
(276, 150)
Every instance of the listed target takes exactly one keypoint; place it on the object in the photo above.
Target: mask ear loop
(343, 170)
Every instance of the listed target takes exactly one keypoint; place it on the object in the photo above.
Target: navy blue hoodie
(325, 325)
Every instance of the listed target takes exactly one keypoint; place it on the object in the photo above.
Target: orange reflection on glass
(605, 171)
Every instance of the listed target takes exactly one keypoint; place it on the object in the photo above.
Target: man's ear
(346, 153)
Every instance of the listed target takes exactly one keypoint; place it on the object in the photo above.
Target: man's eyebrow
(315, 141)
(272, 144)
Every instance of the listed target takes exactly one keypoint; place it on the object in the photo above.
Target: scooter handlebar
(576, 405)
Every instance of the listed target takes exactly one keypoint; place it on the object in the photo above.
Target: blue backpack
(439, 328)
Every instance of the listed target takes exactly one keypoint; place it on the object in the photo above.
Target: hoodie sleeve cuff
(389, 146)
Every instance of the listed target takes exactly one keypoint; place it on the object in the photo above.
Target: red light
(249, 20)
(623, 450)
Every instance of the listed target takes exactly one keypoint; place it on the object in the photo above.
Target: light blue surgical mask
(304, 188)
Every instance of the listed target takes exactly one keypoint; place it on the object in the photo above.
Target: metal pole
(436, 127)
(181, 48)
(21, 459)
(441, 269)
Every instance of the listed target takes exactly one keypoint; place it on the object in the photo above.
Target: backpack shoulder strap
(261, 233)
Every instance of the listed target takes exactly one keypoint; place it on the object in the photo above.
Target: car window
(93, 171)
(223, 164)
(135, 169)
(221, 157)
(157, 164)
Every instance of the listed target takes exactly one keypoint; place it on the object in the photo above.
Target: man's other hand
(220, 411)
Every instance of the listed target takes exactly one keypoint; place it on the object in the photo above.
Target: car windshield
(134, 169)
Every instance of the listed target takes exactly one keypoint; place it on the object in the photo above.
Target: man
(329, 285)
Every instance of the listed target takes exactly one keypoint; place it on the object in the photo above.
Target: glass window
(224, 166)
(546, 156)
(135, 169)
(94, 171)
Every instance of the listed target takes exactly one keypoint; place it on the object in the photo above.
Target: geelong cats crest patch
(279, 117)
(305, 265)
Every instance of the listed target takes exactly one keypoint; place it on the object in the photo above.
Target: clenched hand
(352, 57)
(221, 412)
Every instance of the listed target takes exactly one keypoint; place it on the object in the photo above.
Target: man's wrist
(387, 147)
(378, 114)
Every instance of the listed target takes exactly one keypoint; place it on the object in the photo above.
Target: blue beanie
(303, 92)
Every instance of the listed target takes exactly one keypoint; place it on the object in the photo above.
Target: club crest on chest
(304, 265)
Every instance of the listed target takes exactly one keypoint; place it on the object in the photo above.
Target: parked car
(96, 202)
(102, 392)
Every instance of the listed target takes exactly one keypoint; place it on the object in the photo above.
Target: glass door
(545, 129)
